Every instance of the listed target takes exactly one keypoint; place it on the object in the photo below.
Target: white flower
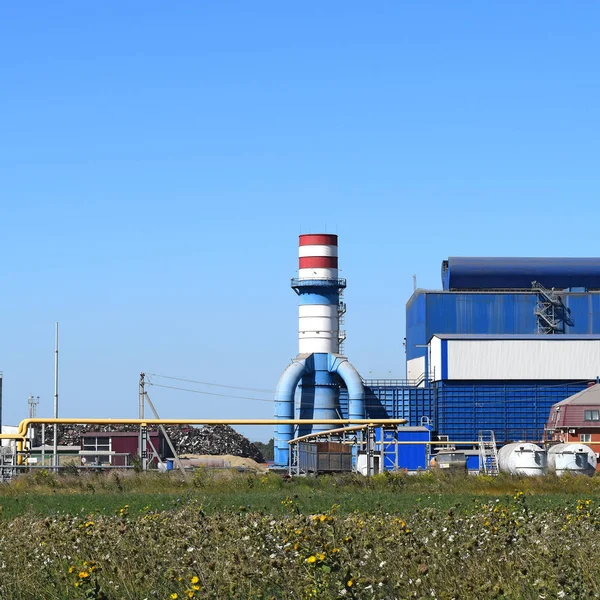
(191, 549)
(382, 563)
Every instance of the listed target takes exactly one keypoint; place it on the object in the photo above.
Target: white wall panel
(435, 358)
(415, 368)
(518, 359)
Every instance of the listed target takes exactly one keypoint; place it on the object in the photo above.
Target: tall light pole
(55, 449)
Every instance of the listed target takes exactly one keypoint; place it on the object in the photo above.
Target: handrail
(317, 282)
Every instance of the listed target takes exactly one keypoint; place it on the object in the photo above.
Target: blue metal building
(503, 297)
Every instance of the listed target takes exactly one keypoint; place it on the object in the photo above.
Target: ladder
(488, 453)
(341, 320)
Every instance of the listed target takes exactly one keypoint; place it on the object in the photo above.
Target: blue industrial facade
(515, 410)
(434, 312)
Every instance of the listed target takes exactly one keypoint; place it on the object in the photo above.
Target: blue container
(410, 457)
(472, 460)
(169, 464)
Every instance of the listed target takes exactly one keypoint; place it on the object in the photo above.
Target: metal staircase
(488, 452)
(551, 313)
(341, 321)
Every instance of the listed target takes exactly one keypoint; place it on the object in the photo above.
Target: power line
(223, 385)
(171, 387)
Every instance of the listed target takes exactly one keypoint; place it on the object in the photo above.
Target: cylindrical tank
(522, 458)
(577, 459)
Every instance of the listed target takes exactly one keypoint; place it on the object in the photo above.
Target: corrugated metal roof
(460, 272)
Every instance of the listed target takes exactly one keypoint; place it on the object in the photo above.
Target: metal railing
(318, 282)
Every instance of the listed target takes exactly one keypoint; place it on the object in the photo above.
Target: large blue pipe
(319, 375)
(356, 390)
(284, 407)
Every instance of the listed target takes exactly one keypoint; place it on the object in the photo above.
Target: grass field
(229, 535)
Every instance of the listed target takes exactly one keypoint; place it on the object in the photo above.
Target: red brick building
(576, 419)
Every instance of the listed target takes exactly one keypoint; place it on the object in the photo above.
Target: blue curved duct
(356, 390)
(319, 375)
(284, 407)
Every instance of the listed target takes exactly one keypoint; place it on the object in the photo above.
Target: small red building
(576, 419)
(118, 448)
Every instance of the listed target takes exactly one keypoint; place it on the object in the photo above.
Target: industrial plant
(492, 358)
(502, 375)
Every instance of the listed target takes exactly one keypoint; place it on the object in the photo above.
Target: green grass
(46, 494)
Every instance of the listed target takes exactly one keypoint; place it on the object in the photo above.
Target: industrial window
(585, 437)
(591, 415)
(96, 444)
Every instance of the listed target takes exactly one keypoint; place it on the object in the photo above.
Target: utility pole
(55, 449)
(143, 430)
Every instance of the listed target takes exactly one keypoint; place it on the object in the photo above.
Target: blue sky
(158, 160)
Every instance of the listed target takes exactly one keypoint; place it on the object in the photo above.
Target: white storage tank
(522, 458)
(577, 459)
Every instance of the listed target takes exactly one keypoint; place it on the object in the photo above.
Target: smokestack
(319, 289)
(319, 368)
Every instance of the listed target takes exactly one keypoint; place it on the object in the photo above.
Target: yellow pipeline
(26, 423)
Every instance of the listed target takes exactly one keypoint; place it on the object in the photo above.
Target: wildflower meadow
(260, 537)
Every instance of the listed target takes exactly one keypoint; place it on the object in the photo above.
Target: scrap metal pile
(210, 439)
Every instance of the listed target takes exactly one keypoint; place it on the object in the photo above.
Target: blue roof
(460, 272)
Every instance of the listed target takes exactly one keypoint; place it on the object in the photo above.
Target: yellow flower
(194, 579)
(350, 582)
(71, 569)
(322, 518)
(83, 574)
(190, 593)
(195, 587)
(311, 559)
(321, 556)
(174, 596)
